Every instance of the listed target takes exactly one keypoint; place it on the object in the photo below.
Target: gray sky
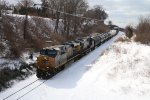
(121, 12)
(124, 12)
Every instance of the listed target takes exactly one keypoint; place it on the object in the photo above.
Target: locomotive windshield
(51, 53)
(43, 52)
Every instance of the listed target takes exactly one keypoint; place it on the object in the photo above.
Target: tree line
(71, 24)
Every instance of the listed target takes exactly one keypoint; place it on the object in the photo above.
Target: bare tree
(3, 4)
(97, 13)
(22, 3)
(71, 23)
(58, 6)
(75, 7)
(97, 25)
(25, 4)
(80, 6)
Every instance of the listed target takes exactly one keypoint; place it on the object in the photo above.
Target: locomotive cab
(50, 53)
(50, 59)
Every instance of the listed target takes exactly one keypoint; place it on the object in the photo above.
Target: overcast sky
(121, 12)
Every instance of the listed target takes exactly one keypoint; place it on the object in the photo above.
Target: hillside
(38, 31)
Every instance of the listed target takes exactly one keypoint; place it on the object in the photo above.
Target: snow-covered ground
(17, 63)
(27, 60)
(122, 72)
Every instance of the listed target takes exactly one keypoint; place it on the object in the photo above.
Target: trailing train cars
(53, 59)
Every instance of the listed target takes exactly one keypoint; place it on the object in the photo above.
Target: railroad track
(27, 92)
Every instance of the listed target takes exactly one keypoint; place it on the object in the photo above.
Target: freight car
(53, 59)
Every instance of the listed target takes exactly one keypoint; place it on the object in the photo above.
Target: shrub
(129, 31)
(6, 75)
(143, 30)
(100, 28)
(122, 39)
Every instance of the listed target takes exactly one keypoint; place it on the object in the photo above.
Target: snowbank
(129, 70)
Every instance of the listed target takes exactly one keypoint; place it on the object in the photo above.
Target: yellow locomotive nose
(45, 62)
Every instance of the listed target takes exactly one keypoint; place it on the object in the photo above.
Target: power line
(70, 14)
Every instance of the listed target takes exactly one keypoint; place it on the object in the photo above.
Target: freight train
(53, 59)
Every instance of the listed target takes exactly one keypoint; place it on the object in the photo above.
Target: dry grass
(123, 39)
(100, 28)
(143, 31)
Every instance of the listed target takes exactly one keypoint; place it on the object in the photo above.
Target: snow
(120, 73)
(12, 64)
(130, 72)
(27, 60)
(16, 63)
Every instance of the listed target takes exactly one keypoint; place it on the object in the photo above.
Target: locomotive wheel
(44, 74)
(47, 75)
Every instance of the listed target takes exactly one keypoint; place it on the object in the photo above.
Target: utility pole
(26, 20)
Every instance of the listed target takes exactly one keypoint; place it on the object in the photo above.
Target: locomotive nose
(43, 61)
